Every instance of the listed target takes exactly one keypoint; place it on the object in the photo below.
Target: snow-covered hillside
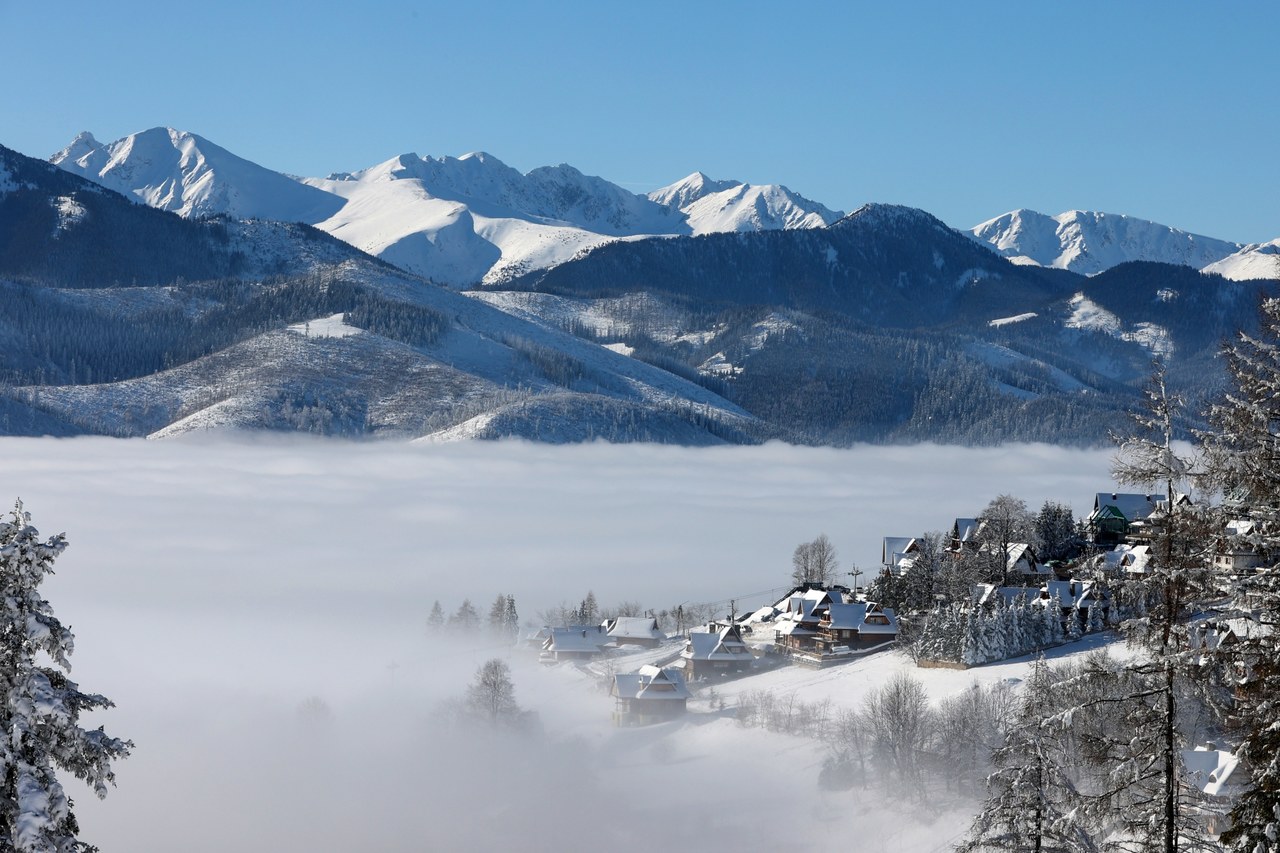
(712, 206)
(1254, 261)
(459, 220)
(189, 175)
(1088, 242)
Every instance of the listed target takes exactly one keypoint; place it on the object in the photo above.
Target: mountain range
(472, 219)
(463, 299)
(458, 220)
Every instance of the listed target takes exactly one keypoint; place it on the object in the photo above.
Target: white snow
(70, 212)
(189, 175)
(620, 348)
(326, 327)
(999, 356)
(1017, 318)
(456, 220)
(1090, 316)
(1255, 261)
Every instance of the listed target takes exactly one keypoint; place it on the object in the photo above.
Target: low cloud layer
(256, 608)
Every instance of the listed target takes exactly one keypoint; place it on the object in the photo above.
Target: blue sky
(1163, 111)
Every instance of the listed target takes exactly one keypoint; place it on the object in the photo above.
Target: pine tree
(588, 611)
(511, 619)
(1032, 801)
(466, 620)
(435, 619)
(41, 707)
(498, 617)
(1177, 575)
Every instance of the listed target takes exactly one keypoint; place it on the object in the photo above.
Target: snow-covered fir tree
(1177, 574)
(1032, 801)
(465, 620)
(40, 706)
(1243, 451)
(435, 619)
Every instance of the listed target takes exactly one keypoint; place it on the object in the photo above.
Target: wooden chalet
(715, 653)
(796, 627)
(651, 695)
(576, 643)
(858, 625)
(1115, 513)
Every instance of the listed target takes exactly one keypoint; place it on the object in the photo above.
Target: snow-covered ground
(257, 611)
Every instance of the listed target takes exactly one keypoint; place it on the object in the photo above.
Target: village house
(709, 654)
(1127, 560)
(858, 625)
(651, 695)
(634, 631)
(897, 553)
(576, 643)
(1233, 555)
(964, 534)
(796, 626)
(1113, 515)
(1214, 772)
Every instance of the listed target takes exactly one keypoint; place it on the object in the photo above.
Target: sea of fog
(256, 608)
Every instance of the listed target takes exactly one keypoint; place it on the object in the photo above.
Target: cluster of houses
(813, 625)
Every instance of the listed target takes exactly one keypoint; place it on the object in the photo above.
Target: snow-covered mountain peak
(689, 189)
(1089, 242)
(187, 174)
(714, 206)
(1254, 261)
(79, 147)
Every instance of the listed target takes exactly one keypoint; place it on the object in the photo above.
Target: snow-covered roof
(894, 548)
(633, 628)
(1210, 769)
(651, 682)
(1131, 506)
(981, 593)
(965, 529)
(865, 617)
(576, 640)
(1073, 593)
(1129, 558)
(1239, 527)
(725, 644)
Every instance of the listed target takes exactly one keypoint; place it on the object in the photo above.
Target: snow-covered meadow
(256, 608)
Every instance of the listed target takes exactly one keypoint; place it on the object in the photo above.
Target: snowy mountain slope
(1254, 261)
(1088, 242)
(456, 220)
(186, 174)
(712, 206)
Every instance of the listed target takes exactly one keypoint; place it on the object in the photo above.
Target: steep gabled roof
(651, 683)
(725, 644)
(863, 617)
(894, 548)
(965, 529)
(1131, 507)
(633, 628)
